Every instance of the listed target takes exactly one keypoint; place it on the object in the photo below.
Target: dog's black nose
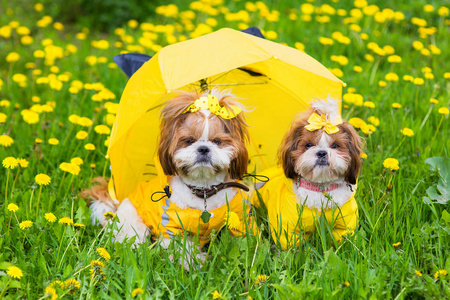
(203, 150)
(321, 153)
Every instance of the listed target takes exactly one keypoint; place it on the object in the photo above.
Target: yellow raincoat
(165, 218)
(290, 221)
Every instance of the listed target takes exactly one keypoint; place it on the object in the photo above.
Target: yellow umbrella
(274, 81)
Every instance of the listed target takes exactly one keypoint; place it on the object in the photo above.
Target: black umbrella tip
(129, 63)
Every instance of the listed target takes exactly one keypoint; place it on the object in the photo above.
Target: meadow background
(59, 92)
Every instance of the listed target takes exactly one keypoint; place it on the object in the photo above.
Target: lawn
(59, 95)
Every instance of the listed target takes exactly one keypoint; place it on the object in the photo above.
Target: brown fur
(98, 191)
(177, 128)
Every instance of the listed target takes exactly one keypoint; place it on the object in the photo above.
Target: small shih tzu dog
(320, 160)
(202, 154)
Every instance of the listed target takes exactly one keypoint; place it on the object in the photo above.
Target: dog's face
(201, 145)
(320, 157)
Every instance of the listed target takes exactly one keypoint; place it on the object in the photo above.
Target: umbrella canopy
(273, 81)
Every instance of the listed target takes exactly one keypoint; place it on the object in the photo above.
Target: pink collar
(316, 187)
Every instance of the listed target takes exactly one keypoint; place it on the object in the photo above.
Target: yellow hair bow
(316, 122)
(210, 102)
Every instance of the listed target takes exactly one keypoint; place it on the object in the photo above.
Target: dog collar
(316, 187)
(214, 189)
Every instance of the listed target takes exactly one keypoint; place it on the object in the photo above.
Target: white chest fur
(182, 196)
(319, 200)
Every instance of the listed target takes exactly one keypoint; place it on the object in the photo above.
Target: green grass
(391, 205)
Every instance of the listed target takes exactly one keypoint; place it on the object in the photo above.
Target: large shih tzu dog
(202, 152)
(320, 160)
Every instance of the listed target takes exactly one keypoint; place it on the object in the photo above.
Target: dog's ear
(238, 165)
(164, 147)
(171, 118)
(355, 147)
(288, 146)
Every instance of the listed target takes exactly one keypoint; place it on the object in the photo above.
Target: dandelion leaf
(440, 192)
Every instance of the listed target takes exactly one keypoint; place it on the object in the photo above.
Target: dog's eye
(334, 146)
(217, 141)
(309, 145)
(190, 141)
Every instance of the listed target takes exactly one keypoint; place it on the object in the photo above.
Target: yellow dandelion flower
(396, 105)
(42, 179)
(136, 292)
(12, 57)
(262, 279)
(374, 120)
(357, 69)
(369, 104)
(50, 292)
(418, 81)
(418, 273)
(25, 224)
(12, 207)
(74, 119)
(50, 217)
(216, 295)
(408, 78)
(14, 272)
(382, 83)
(391, 163)
(394, 59)
(72, 285)
(65, 221)
(71, 168)
(407, 131)
(443, 111)
(233, 220)
(357, 122)
(5, 103)
(433, 101)
(391, 77)
(38, 141)
(53, 141)
(81, 135)
(89, 147)
(103, 253)
(440, 273)
(10, 162)
(102, 129)
(85, 122)
(23, 163)
(96, 263)
(109, 215)
(363, 155)
(77, 160)
(396, 245)
(57, 284)
(92, 166)
(78, 226)
(6, 140)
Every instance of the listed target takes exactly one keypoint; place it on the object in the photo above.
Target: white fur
(329, 107)
(338, 197)
(99, 208)
(130, 223)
